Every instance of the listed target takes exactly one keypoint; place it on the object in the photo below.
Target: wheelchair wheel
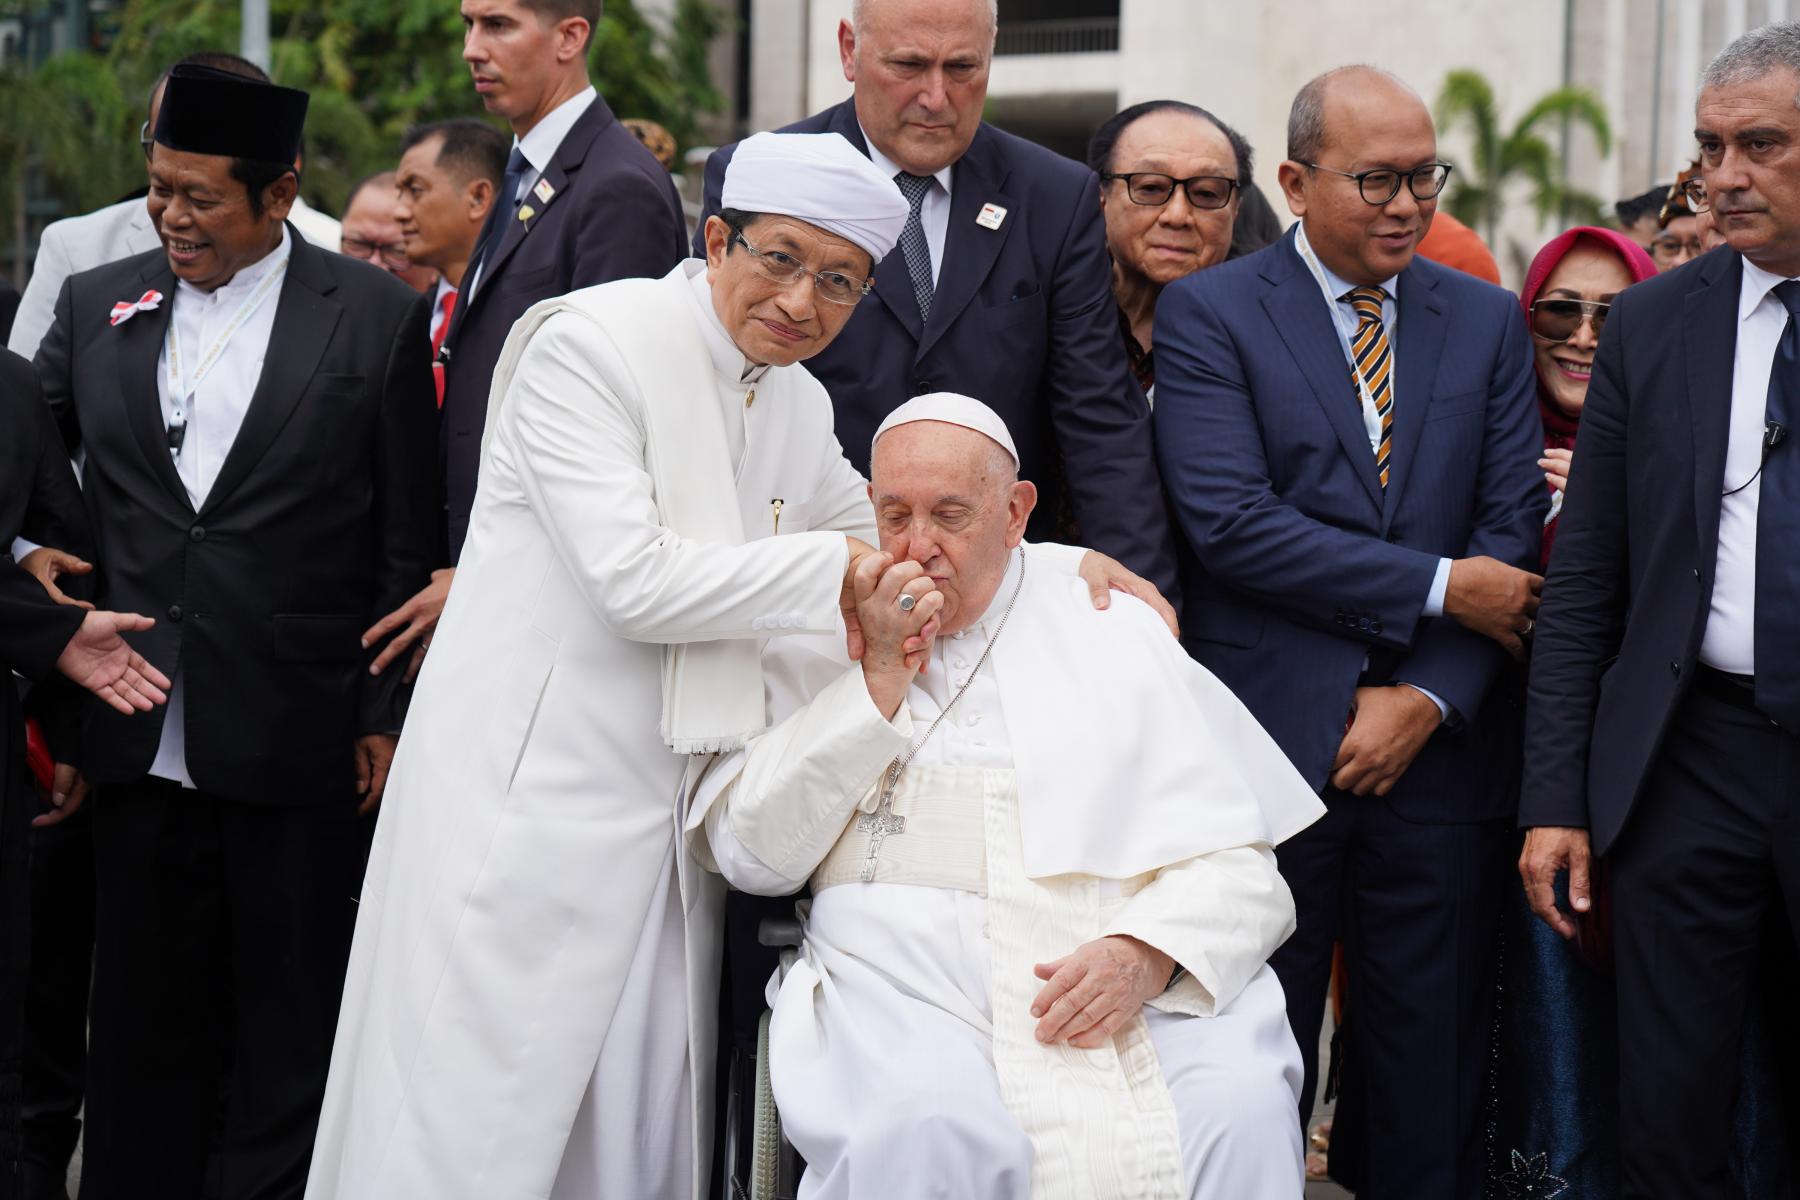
(765, 1138)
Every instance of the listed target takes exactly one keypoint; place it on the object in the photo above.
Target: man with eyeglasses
(372, 231)
(1003, 288)
(123, 229)
(662, 490)
(1348, 433)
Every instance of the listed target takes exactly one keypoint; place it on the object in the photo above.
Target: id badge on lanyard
(181, 395)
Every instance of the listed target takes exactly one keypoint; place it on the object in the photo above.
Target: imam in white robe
(1093, 780)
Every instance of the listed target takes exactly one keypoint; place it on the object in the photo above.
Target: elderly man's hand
(1548, 850)
(1094, 991)
(1104, 575)
(896, 641)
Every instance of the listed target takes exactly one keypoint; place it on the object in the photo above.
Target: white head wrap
(821, 179)
(951, 409)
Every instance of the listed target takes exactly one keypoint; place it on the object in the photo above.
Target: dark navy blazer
(1630, 581)
(613, 214)
(1023, 319)
(1297, 567)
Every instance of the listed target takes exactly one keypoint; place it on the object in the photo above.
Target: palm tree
(1500, 157)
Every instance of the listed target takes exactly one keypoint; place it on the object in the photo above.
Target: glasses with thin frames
(1560, 320)
(784, 268)
(1694, 191)
(393, 254)
(1155, 189)
(1381, 185)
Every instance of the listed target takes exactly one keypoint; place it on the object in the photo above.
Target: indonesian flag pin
(124, 310)
(543, 191)
(990, 216)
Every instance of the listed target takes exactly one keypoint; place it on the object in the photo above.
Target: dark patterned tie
(1777, 539)
(507, 202)
(912, 239)
(1375, 364)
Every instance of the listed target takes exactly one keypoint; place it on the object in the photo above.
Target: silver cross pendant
(878, 825)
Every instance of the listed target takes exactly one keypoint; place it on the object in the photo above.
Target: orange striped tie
(1375, 364)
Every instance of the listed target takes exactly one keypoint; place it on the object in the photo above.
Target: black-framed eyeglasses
(1381, 185)
(784, 268)
(1156, 189)
(393, 254)
(1560, 320)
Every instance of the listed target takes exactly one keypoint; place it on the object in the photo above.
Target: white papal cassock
(1093, 780)
(531, 932)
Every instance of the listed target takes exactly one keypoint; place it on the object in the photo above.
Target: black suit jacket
(323, 517)
(613, 214)
(40, 501)
(1023, 319)
(1630, 580)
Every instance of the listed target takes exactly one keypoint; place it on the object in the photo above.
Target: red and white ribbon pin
(124, 309)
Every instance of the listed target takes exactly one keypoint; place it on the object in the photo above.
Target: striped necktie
(1374, 365)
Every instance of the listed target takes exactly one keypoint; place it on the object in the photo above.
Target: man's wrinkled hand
(416, 620)
(1493, 599)
(1105, 575)
(1090, 994)
(101, 661)
(47, 565)
(374, 755)
(896, 638)
(1388, 729)
(1550, 849)
(68, 788)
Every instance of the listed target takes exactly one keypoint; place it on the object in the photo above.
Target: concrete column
(778, 68)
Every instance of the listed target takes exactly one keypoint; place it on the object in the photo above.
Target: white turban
(951, 409)
(818, 178)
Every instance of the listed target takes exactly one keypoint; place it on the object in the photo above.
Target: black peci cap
(208, 111)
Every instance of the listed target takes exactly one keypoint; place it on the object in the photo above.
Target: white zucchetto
(951, 409)
(819, 178)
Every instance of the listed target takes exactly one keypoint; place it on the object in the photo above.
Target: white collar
(246, 277)
(727, 359)
(541, 141)
(437, 297)
(1756, 287)
(1333, 284)
(886, 166)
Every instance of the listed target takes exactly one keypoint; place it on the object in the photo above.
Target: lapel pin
(543, 191)
(124, 310)
(990, 216)
(526, 212)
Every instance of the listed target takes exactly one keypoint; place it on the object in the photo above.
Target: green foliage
(1501, 157)
(373, 67)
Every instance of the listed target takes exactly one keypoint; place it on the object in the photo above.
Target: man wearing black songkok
(259, 419)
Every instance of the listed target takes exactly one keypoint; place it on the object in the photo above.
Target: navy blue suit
(613, 213)
(1682, 783)
(1022, 319)
(1303, 579)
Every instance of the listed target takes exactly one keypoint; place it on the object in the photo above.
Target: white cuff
(1440, 583)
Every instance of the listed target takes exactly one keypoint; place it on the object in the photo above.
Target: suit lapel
(1297, 309)
(1709, 335)
(1419, 338)
(305, 316)
(138, 351)
(970, 250)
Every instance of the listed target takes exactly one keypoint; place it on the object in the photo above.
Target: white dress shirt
(1729, 643)
(215, 413)
(934, 213)
(539, 146)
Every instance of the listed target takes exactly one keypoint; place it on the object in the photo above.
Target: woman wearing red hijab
(1555, 1102)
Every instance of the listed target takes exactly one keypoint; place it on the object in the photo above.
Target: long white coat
(531, 814)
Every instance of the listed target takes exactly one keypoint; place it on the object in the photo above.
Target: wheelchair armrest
(780, 931)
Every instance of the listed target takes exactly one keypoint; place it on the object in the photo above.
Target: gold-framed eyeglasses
(1560, 320)
(1382, 184)
(784, 268)
(1155, 189)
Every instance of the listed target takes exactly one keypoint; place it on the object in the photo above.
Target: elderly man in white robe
(1044, 886)
(529, 1010)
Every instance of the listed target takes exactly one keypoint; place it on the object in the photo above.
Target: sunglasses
(1560, 320)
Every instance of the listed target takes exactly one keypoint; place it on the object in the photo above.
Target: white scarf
(712, 691)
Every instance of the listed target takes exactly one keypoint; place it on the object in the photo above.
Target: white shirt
(539, 147)
(214, 416)
(934, 213)
(1729, 643)
(737, 402)
(1343, 315)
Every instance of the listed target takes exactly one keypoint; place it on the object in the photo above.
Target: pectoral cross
(878, 825)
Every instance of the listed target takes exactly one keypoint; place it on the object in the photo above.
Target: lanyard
(1371, 417)
(181, 397)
